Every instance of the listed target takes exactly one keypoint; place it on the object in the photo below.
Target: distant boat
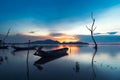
(24, 48)
(52, 53)
(3, 47)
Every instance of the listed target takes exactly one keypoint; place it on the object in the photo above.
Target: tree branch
(94, 28)
(88, 28)
(7, 34)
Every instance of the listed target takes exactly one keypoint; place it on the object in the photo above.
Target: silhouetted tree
(92, 29)
(2, 42)
(6, 34)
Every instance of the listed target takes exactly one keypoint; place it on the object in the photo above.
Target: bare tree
(6, 35)
(3, 41)
(92, 29)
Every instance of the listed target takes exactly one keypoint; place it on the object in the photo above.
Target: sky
(62, 20)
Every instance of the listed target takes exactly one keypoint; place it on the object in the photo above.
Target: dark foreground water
(81, 63)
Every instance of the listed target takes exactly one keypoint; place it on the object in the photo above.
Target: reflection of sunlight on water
(72, 48)
(86, 58)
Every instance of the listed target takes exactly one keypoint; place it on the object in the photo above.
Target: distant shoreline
(56, 44)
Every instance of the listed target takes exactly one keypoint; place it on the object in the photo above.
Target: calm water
(81, 63)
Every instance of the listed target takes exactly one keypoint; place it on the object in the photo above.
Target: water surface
(81, 63)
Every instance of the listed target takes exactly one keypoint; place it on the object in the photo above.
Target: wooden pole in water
(93, 75)
(27, 62)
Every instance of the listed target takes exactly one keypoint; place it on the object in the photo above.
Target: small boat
(24, 48)
(52, 53)
(46, 59)
(3, 47)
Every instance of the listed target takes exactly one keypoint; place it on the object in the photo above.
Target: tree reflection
(3, 57)
(93, 74)
(27, 62)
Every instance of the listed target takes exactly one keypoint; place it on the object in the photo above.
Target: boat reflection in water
(51, 55)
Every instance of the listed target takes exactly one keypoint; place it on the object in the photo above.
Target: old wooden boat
(24, 48)
(52, 53)
(38, 64)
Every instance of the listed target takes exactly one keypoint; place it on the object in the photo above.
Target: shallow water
(81, 63)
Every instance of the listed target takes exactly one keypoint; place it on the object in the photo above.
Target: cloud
(61, 37)
(112, 33)
(56, 34)
(108, 20)
(100, 38)
(97, 33)
(20, 38)
(107, 33)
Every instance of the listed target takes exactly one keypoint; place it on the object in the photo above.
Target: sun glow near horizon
(60, 38)
(66, 38)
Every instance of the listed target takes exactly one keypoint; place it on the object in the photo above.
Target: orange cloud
(55, 36)
(66, 38)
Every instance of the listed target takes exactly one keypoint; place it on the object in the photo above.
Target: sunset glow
(60, 38)
(60, 20)
(71, 48)
(66, 38)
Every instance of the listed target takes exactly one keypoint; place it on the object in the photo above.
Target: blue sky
(69, 17)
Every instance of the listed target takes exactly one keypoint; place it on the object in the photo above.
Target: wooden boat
(38, 64)
(24, 48)
(3, 47)
(52, 53)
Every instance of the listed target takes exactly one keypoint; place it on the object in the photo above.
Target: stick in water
(27, 61)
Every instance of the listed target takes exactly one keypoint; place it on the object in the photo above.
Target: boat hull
(53, 53)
